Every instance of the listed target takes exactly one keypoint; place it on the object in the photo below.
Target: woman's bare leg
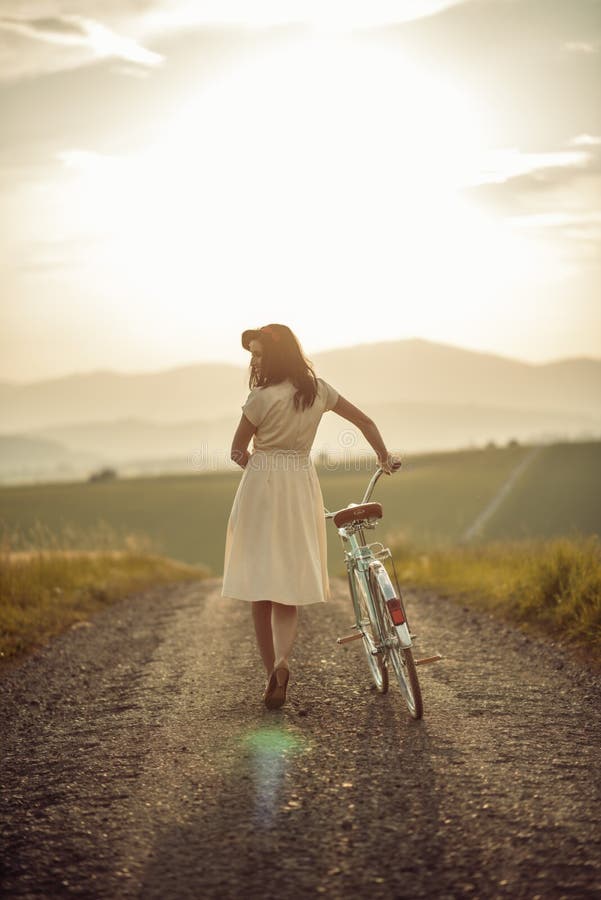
(261, 610)
(283, 626)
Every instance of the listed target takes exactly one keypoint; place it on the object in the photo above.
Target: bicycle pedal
(349, 638)
(427, 659)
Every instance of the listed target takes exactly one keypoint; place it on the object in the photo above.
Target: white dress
(276, 546)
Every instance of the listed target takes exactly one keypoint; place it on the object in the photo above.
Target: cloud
(581, 229)
(32, 31)
(585, 140)
(132, 71)
(558, 220)
(533, 185)
(61, 30)
(500, 166)
(581, 47)
(42, 257)
(318, 13)
(98, 40)
(84, 160)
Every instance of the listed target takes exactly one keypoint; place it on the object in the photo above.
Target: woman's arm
(369, 430)
(244, 432)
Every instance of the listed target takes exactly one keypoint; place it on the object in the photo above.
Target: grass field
(183, 517)
(143, 531)
(560, 493)
(431, 502)
(553, 585)
(42, 592)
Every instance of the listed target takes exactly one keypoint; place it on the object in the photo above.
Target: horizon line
(223, 362)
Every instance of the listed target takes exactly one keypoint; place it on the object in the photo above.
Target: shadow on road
(310, 805)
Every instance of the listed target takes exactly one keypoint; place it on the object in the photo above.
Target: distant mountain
(135, 447)
(413, 371)
(26, 458)
(423, 396)
(31, 450)
(135, 439)
(420, 371)
(175, 395)
(413, 427)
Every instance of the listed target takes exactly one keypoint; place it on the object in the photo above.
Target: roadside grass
(552, 586)
(56, 580)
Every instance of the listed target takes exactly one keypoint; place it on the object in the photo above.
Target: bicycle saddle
(357, 513)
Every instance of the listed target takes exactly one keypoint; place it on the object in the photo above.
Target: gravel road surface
(139, 761)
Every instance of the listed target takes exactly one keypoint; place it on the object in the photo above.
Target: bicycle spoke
(371, 639)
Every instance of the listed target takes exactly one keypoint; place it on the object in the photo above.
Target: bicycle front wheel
(369, 627)
(401, 659)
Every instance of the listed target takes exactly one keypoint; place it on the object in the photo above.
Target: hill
(136, 446)
(424, 372)
(182, 394)
(423, 396)
(26, 458)
(411, 371)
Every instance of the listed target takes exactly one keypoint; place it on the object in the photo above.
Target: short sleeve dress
(276, 545)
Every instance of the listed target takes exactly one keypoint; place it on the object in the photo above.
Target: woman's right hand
(389, 463)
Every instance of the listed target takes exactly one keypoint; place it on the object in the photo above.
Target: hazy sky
(172, 172)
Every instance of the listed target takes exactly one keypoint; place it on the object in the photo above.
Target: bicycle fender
(393, 603)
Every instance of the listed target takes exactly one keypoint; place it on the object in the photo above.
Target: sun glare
(322, 174)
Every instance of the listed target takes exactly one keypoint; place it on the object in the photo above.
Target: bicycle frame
(361, 558)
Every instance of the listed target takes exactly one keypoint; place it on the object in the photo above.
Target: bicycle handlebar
(372, 484)
(368, 492)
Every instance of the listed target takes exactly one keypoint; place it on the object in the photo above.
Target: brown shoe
(275, 692)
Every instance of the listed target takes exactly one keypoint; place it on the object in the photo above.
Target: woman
(275, 550)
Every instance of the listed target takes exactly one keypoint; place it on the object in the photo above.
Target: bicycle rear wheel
(370, 632)
(401, 659)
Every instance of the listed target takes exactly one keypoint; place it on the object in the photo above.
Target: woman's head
(276, 354)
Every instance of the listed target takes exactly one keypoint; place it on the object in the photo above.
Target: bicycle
(380, 615)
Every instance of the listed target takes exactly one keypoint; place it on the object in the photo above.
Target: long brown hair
(283, 358)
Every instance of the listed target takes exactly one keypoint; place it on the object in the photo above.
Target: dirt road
(138, 761)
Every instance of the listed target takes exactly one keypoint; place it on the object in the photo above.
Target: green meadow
(559, 494)
(431, 502)
(67, 549)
